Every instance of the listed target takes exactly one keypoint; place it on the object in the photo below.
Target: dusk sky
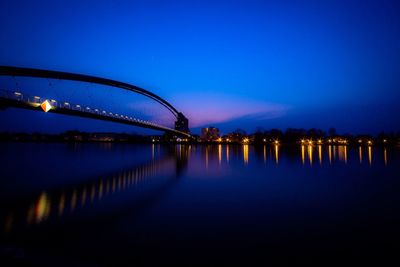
(231, 64)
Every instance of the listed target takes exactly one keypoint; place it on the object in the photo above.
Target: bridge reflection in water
(179, 198)
(50, 204)
(58, 204)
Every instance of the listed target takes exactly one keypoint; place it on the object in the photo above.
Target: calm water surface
(197, 205)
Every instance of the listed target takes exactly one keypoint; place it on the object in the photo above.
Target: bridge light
(46, 106)
(66, 103)
(87, 108)
(78, 106)
(36, 97)
(104, 111)
(17, 93)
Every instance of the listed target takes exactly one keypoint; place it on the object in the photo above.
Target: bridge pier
(182, 123)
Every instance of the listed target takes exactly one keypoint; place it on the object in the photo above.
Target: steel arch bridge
(11, 98)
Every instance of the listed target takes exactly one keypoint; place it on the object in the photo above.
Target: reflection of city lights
(385, 156)
(219, 154)
(276, 154)
(302, 154)
(310, 154)
(370, 155)
(245, 154)
(320, 154)
(61, 205)
(265, 154)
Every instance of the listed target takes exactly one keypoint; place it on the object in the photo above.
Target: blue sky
(226, 63)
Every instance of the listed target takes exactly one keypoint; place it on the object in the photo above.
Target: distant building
(209, 134)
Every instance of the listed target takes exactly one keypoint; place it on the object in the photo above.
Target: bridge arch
(181, 124)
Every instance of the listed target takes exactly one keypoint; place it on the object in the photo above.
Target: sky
(230, 64)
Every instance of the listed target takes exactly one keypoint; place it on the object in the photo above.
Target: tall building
(209, 134)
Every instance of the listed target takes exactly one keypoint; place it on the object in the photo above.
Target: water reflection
(370, 155)
(59, 203)
(265, 154)
(320, 154)
(277, 154)
(227, 154)
(310, 154)
(62, 203)
(219, 154)
(385, 156)
(246, 154)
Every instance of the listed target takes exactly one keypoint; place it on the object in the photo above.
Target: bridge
(18, 99)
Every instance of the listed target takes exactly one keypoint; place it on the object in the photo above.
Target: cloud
(212, 108)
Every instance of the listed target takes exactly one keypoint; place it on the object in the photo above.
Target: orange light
(46, 106)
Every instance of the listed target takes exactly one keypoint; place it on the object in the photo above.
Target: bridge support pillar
(182, 123)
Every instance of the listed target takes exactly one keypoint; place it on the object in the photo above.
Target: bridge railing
(37, 101)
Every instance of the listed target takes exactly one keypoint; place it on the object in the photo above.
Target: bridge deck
(19, 100)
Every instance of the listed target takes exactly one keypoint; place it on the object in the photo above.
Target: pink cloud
(209, 108)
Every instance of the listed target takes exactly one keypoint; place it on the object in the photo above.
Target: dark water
(155, 205)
